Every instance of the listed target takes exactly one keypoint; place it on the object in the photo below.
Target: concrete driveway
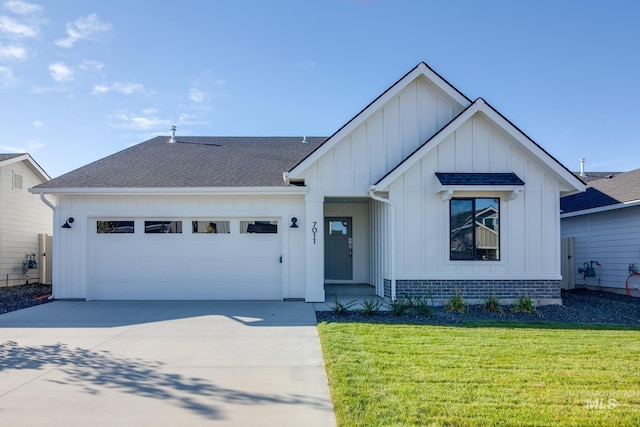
(163, 363)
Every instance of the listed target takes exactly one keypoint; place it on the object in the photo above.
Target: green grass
(482, 374)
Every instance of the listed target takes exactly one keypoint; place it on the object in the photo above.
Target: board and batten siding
(530, 243)
(382, 141)
(23, 217)
(611, 238)
(72, 262)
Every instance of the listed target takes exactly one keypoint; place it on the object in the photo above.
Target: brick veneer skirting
(475, 290)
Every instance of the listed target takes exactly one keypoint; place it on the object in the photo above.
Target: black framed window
(474, 229)
(163, 227)
(115, 227)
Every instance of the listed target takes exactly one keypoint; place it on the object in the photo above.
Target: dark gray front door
(338, 248)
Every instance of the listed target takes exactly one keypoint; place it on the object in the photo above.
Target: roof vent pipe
(582, 160)
(304, 138)
(172, 140)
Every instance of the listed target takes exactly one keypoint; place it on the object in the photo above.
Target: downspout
(392, 234)
(46, 202)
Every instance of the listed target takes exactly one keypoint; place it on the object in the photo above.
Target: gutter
(46, 202)
(392, 235)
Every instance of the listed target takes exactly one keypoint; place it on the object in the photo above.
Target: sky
(83, 79)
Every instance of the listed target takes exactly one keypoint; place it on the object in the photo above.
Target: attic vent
(17, 181)
(172, 140)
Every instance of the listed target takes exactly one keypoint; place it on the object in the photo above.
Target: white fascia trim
(420, 70)
(513, 191)
(197, 191)
(31, 163)
(623, 205)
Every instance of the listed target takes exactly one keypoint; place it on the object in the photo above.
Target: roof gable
(7, 159)
(569, 183)
(422, 70)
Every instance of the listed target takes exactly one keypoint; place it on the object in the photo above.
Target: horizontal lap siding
(612, 238)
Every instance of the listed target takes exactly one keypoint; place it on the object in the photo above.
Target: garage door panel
(212, 248)
(258, 270)
(260, 291)
(115, 270)
(185, 266)
(223, 290)
(114, 249)
(212, 270)
(164, 270)
(163, 289)
(163, 247)
(116, 290)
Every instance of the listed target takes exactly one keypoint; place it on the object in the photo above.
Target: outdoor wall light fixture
(294, 222)
(68, 222)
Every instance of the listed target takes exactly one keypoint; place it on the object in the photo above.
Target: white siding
(23, 217)
(383, 141)
(613, 239)
(530, 240)
(71, 264)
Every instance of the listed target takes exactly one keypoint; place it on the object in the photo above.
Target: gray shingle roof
(477, 178)
(610, 190)
(193, 162)
(4, 157)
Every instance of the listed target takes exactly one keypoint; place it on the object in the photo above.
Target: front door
(338, 249)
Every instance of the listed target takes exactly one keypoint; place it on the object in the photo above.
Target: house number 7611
(314, 230)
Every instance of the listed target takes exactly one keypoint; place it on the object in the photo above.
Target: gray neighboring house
(603, 225)
(24, 220)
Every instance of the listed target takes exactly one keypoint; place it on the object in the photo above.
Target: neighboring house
(380, 202)
(23, 218)
(603, 225)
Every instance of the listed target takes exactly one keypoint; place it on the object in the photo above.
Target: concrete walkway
(163, 363)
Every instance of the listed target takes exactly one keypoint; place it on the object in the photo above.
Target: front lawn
(500, 374)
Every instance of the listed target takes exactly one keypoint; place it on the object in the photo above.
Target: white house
(23, 218)
(603, 225)
(422, 192)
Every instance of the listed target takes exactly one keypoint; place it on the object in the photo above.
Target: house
(601, 229)
(24, 220)
(379, 201)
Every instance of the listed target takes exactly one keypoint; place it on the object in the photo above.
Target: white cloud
(6, 77)
(196, 95)
(89, 65)
(83, 28)
(124, 88)
(306, 64)
(9, 52)
(145, 121)
(60, 72)
(13, 28)
(21, 8)
(38, 124)
(31, 146)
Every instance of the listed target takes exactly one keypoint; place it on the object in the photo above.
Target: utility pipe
(392, 227)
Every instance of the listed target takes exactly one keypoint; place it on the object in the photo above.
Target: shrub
(339, 307)
(492, 305)
(526, 305)
(399, 307)
(370, 307)
(423, 306)
(457, 304)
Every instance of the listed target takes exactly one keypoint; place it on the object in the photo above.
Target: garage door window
(164, 227)
(210, 227)
(259, 227)
(115, 227)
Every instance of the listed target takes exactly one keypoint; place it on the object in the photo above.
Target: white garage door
(235, 259)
